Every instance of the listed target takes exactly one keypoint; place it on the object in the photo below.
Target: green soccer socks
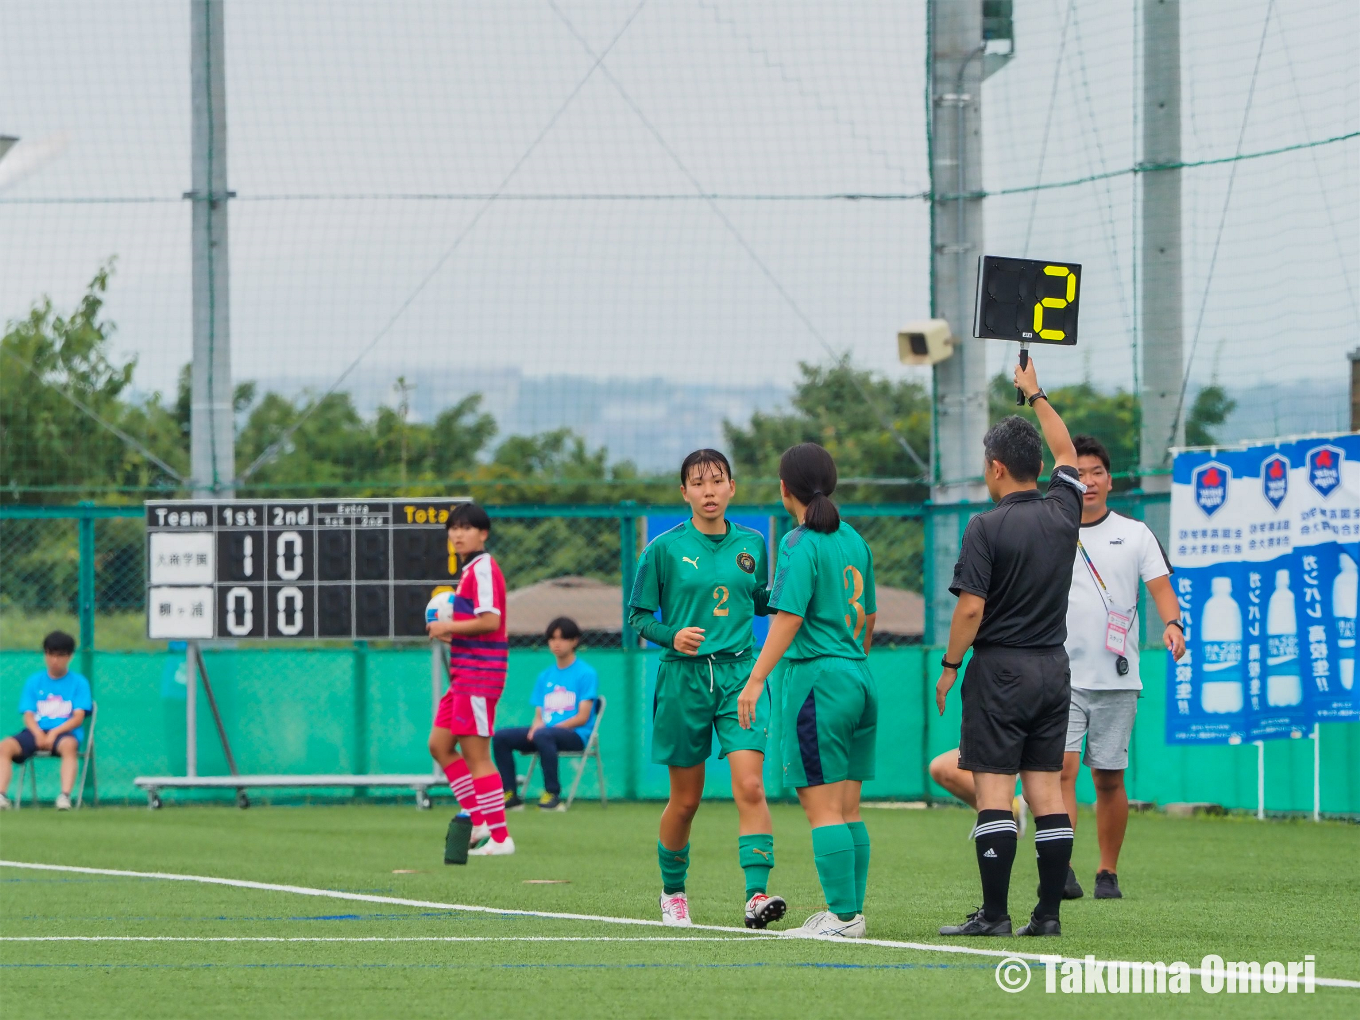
(756, 854)
(860, 834)
(833, 851)
(674, 867)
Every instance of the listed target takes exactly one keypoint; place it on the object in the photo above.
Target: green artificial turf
(1242, 889)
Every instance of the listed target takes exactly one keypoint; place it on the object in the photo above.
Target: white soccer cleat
(493, 849)
(5, 804)
(675, 910)
(824, 923)
(63, 802)
(480, 834)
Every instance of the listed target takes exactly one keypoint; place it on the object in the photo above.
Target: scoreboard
(305, 569)
(1029, 300)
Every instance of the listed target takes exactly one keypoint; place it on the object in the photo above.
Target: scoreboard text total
(295, 568)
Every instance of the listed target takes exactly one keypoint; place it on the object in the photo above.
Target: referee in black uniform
(1012, 580)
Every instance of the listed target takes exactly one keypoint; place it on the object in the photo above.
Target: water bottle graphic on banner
(1221, 692)
(1343, 614)
(1284, 683)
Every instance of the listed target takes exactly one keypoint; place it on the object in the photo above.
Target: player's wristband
(1175, 623)
(944, 661)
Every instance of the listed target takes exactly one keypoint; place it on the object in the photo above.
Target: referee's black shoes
(1072, 888)
(1040, 926)
(977, 924)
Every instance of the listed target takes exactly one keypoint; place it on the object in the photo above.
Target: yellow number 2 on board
(720, 593)
(854, 583)
(1054, 302)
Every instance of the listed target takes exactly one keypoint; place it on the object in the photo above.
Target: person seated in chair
(54, 703)
(564, 705)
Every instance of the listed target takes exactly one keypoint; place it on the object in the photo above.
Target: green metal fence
(366, 707)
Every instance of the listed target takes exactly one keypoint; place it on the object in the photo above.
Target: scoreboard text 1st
(357, 569)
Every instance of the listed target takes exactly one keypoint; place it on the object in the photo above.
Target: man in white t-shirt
(1114, 553)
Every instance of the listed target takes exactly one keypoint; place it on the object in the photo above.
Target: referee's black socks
(1053, 847)
(994, 838)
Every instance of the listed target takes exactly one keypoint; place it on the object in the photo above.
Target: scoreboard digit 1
(295, 569)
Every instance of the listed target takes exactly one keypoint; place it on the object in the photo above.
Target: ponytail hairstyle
(809, 473)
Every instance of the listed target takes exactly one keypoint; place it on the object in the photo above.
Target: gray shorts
(1105, 719)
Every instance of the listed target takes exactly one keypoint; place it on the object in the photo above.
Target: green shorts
(829, 721)
(695, 697)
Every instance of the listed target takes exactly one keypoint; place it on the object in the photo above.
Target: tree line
(72, 425)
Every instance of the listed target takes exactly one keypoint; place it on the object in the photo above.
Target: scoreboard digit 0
(300, 569)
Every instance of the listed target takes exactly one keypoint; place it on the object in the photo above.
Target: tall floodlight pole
(211, 444)
(1162, 363)
(956, 72)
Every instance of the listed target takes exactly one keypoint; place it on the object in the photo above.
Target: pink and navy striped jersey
(477, 661)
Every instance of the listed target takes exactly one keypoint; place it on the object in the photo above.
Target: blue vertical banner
(1230, 539)
(1327, 526)
(1265, 542)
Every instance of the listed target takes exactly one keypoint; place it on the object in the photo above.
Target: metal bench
(153, 785)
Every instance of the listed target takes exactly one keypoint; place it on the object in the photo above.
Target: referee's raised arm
(1055, 432)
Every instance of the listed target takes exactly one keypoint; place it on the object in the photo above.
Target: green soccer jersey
(717, 583)
(828, 580)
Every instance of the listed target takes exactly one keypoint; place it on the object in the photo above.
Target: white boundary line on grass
(335, 894)
(374, 938)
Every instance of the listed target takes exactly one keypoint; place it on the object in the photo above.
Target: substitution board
(305, 569)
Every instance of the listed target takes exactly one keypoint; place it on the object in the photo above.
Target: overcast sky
(597, 260)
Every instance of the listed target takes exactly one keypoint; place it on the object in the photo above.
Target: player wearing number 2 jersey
(824, 594)
(708, 578)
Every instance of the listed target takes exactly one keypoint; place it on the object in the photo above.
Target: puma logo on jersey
(1116, 541)
(693, 562)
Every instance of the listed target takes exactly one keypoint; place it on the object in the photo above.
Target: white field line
(335, 894)
(374, 938)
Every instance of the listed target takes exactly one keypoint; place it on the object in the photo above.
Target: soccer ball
(440, 608)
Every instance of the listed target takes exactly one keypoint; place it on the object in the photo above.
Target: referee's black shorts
(1015, 705)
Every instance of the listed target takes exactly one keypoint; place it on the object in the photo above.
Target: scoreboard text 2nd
(358, 569)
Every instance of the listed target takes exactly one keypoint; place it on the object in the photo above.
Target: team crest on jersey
(1275, 480)
(747, 562)
(1211, 487)
(1324, 468)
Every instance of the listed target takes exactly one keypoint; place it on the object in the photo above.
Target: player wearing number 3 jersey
(708, 577)
(824, 594)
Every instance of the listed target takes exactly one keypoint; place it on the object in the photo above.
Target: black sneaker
(1107, 886)
(513, 803)
(977, 924)
(457, 840)
(550, 802)
(1041, 926)
(1071, 888)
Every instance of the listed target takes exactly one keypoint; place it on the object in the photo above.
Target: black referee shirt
(1019, 557)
